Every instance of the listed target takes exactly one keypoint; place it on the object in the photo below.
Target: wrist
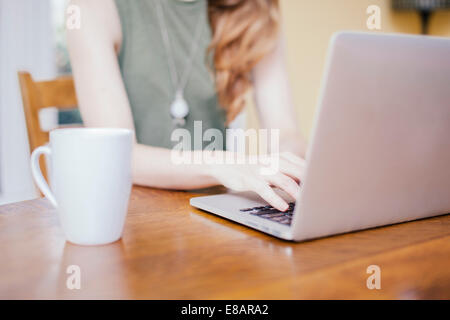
(213, 162)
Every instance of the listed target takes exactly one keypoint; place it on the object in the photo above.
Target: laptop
(380, 147)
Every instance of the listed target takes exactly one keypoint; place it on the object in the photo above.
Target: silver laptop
(380, 150)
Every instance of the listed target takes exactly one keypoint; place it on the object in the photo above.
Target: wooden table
(170, 250)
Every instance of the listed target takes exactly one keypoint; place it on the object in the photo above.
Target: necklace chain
(178, 83)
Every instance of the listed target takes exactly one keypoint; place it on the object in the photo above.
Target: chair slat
(37, 95)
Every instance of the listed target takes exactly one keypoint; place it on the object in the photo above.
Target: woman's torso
(145, 69)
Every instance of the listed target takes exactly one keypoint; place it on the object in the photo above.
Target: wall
(308, 26)
(26, 43)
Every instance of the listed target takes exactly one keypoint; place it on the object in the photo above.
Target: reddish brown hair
(244, 31)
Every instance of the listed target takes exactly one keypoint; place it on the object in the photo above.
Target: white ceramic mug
(91, 181)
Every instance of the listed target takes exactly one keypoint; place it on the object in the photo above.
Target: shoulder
(99, 19)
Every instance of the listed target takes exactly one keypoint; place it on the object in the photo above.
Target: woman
(156, 65)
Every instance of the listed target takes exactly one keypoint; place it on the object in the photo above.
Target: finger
(268, 194)
(285, 183)
(292, 170)
(293, 158)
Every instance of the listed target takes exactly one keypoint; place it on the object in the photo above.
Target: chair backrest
(37, 95)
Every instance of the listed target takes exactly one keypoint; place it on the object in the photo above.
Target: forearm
(160, 168)
(154, 167)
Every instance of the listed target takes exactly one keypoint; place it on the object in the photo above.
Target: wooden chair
(37, 95)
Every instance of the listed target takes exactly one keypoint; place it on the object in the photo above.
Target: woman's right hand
(258, 175)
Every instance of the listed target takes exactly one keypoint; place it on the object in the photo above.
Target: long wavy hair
(243, 32)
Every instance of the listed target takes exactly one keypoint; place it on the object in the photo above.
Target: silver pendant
(179, 109)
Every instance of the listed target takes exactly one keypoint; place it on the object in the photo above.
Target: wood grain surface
(170, 250)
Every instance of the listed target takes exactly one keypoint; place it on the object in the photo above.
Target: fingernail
(285, 206)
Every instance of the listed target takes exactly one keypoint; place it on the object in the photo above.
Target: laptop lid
(380, 152)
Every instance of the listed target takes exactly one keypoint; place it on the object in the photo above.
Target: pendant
(179, 109)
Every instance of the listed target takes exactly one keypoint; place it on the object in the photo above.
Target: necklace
(179, 109)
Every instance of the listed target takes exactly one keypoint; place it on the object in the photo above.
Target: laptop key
(286, 221)
(277, 215)
(268, 216)
(270, 213)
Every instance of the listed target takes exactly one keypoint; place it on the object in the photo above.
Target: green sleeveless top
(145, 69)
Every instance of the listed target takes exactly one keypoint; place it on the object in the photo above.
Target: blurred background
(32, 38)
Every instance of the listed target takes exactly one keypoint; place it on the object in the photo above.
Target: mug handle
(37, 173)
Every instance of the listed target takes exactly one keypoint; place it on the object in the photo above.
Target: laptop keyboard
(270, 213)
